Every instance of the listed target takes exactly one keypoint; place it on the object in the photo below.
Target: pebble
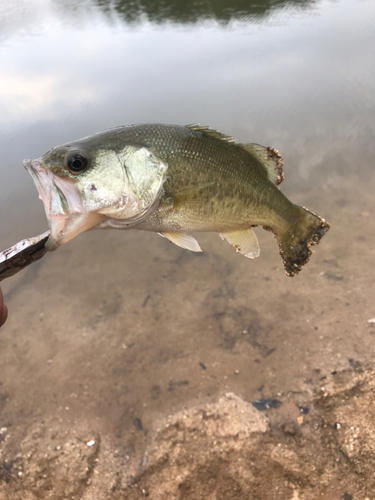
(303, 409)
(347, 496)
(137, 422)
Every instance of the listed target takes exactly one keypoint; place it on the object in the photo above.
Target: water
(123, 320)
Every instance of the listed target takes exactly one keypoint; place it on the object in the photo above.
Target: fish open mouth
(67, 217)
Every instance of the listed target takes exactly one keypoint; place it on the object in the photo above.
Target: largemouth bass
(173, 180)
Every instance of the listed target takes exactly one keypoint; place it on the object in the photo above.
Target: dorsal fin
(209, 132)
(270, 158)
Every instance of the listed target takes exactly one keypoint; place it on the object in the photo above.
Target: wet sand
(117, 332)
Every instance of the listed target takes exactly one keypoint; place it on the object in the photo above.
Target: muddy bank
(228, 450)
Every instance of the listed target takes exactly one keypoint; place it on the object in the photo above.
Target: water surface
(296, 75)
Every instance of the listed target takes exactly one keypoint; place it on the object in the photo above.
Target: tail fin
(295, 244)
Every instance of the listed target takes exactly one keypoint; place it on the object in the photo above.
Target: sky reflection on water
(297, 76)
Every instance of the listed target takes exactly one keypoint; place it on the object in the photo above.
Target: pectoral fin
(244, 241)
(183, 240)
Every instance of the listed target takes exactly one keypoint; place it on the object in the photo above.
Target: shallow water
(122, 326)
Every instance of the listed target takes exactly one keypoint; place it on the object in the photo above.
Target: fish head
(83, 186)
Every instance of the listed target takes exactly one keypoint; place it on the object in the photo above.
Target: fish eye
(76, 162)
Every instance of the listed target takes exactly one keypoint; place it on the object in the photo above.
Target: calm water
(296, 75)
(120, 319)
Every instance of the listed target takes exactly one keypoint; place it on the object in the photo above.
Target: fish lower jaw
(65, 228)
(56, 225)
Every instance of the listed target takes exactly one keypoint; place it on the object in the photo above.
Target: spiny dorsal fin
(209, 132)
(270, 158)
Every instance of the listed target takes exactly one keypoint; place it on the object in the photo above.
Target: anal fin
(244, 241)
(183, 240)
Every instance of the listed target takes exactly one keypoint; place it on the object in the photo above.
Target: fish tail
(295, 244)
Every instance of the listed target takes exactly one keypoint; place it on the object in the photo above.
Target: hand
(3, 310)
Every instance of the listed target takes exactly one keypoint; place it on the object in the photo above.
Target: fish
(173, 180)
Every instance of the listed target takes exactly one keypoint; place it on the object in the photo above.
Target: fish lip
(44, 184)
(34, 169)
(67, 218)
(27, 164)
(32, 166)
